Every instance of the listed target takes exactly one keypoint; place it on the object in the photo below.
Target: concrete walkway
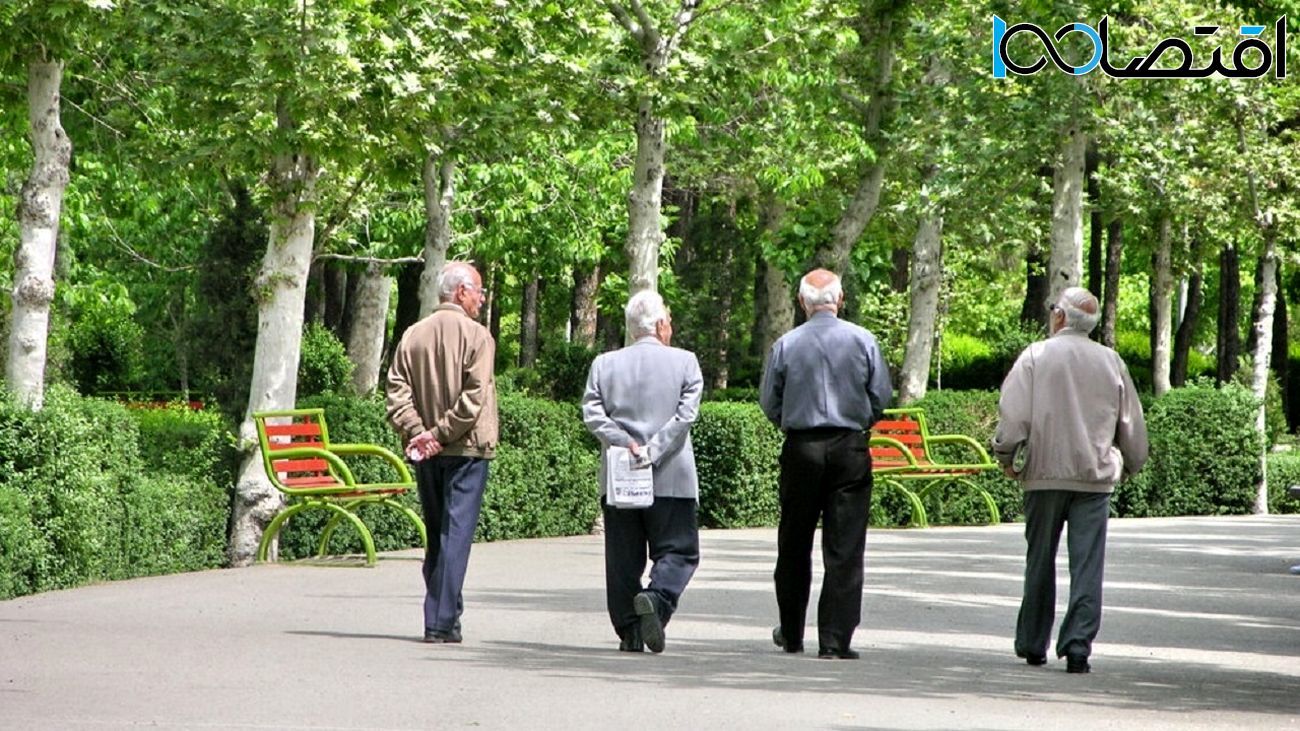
(1201, 630)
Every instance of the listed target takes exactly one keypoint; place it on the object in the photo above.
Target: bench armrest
(890, 442)
(336, 465)
(374, 450)
(964, 440)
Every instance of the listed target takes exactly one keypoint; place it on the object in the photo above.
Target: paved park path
(1201, 630)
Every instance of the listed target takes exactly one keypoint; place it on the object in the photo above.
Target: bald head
(1078, 309)
(820, 290)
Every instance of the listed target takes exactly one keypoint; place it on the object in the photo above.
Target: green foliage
(178, 440)
(740, 394)
(562, 370)
(1283, 472)
(736, 452)
(543, 480)
(323, 365)
(77, 508)
(104, 339)
(1204, 455)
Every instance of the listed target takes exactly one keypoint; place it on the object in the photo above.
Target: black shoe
(779, 640)
(652, 628)
(1077, 664)
(630, 640)
(830, 653)
(1032, 658)
(435, 637)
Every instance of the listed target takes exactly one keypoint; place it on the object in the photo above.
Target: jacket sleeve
(401, 410)
(671, 435)
(1131, 428)
(460, 418)
(594, 414)
(1014, 409)
(880, 388)
(771, 388)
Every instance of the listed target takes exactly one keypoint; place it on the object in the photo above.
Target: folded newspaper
(628, 483)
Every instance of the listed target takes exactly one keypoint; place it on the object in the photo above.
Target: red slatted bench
(901, 454)
(302, 463)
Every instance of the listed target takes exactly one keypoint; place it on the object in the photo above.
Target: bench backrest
(903, 425)
(280, 430)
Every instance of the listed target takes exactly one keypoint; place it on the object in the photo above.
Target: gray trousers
(1046, 512)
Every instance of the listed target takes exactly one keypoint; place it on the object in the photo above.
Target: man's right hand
(422, 446)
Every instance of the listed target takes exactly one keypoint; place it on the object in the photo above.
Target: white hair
(1075, 303)
(814, 297)
(452, 276)
(644, 310)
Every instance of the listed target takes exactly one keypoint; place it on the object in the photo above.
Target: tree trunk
(369, 311)
(1162, 288)
(645, 202)
(336, 298)
(408, 306)
(1228, 339)
(927, 279)
(281, 293)
(314, 308)
(1281, 359)
(39, 205)
(494, 304)
(1066, 260)
(1032, 311)
(582, 313)
(719, 365)
(900, 269)
(875, 31)
(1095, 225)
(1186, 329)
(1110, 293)
(1263, 326)
(528, 323)
(777, 314)
(439, 194)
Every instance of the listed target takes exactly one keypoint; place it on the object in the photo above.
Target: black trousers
(825, 474)
(668, 534)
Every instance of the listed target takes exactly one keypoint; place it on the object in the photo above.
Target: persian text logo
(1144, 67)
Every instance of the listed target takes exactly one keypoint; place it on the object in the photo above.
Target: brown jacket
(441, 381)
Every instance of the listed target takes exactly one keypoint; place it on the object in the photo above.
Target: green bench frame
(301, 463)
(901, 454)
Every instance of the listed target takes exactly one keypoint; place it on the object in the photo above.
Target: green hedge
(1283, 471)
(736, 451)
(1204, 455)
(77, 506)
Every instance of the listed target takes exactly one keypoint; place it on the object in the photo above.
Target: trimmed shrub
(734, 394)
(323, 366)
(736, 452)
(562, 368)
(1204, 452)
(1283, 471)
(76, 507)
(543, 481)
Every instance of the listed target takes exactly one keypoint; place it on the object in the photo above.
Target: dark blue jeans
(451, 494)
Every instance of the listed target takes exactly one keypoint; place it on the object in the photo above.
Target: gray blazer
(650, 393)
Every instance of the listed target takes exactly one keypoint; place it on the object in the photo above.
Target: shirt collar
(824, 314)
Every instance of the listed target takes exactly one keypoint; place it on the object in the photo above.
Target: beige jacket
(441, 381)
(1071, 405)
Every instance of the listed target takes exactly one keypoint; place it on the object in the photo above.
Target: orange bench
(302, 463)
(901, 453)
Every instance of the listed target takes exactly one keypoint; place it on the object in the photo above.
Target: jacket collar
(452, 306)
(647, 339)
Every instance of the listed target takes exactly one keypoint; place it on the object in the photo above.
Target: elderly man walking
(1070, 428)
(824, 385)
(645, 397)
(442, 399)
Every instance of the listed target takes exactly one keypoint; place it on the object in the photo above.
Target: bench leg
(344, 512)
(995, 515)
(273, 529)
(413, 516)
(918, 518)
